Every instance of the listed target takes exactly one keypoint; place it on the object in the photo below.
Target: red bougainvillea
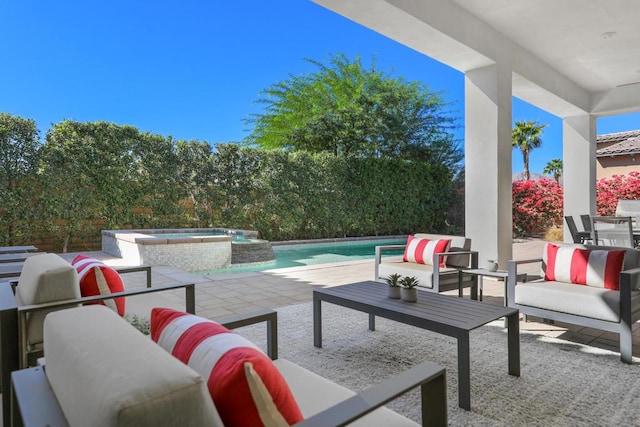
(610, 190)
(537, 205)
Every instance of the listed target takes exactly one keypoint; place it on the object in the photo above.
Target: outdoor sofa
(98, 370)
(431, 275)
(590, 305)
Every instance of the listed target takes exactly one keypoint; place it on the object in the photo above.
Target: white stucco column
(578, 167)
(488, 151)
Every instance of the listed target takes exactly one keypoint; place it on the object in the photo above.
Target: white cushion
(423, 272)
(458, 244)
(106, 373)
(45, 278)
(587, 301)
(314, 393)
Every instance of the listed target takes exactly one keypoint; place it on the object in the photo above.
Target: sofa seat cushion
(104, 372)
(586, 301)
(315, 393)
(423, 272)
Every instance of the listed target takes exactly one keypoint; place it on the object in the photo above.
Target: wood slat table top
(436, 308)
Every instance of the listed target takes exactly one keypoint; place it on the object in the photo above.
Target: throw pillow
(598, 268)
(246, 387)
(421, 250)
(97, 278)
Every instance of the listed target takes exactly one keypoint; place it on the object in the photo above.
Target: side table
(499, 274)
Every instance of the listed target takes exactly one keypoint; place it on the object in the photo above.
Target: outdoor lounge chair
(49, 283)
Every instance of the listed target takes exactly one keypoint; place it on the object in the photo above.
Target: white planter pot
(394, 292)
(409, 295)
(491, 266)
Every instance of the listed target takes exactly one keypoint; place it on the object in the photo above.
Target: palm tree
(526, 136)
(554, 167)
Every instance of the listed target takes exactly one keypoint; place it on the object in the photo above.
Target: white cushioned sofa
(100, 371)
(431, 275)
(592, 305)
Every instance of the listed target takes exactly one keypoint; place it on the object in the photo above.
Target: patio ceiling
(568, 57)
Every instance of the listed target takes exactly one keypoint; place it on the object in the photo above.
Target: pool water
(312, 254)
(234, 237)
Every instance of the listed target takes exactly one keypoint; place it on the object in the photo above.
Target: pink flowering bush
(610, 190)
(537, 206)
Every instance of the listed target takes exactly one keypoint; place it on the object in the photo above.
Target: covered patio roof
(577, 59)
(567, 56)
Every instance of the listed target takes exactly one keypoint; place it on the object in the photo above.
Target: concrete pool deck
(229, 294)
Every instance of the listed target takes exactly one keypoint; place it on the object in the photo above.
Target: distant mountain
(534, 176)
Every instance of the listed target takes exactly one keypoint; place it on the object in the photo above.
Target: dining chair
(612, 231)
(577, 236)
(586, 222)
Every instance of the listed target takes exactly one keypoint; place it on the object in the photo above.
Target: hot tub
(189, 249)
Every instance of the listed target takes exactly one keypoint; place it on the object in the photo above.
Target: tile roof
(617, 136)
(629, 146)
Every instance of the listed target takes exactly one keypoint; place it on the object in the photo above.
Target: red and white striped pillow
(421, 250)
(246, 387)
(97, 278)
(598, 268)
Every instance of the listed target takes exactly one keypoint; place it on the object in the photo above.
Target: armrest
(137, 268)
(266, 315)
(433, 390)
(435, 280)
(23, 311)
(512, 277)
(378, 257)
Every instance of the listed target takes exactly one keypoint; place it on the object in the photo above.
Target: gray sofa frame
(629, 279)
(34, 404)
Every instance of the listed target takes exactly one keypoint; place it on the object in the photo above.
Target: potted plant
(409, 291)
(393, 281)
(492, 265)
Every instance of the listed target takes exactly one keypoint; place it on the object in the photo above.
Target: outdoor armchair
(48, 284)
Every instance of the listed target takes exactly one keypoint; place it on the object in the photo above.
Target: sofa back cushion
(598, 268)
(458, 244)
(105, 373)
(246, 387)
(44, 278)
(422, 250)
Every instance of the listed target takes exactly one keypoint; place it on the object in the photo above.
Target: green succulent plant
(393, 280)
(409, 282)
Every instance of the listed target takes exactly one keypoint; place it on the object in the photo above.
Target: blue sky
(193, 69)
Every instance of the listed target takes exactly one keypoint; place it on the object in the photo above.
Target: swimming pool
(297, 255)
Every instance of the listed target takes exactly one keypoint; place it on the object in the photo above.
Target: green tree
(526, 136)
(349, 110)
(19, 154)
(554, 167)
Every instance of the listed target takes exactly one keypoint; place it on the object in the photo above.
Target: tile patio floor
(219, 296)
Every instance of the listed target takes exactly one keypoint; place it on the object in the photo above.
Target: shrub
(610, 190)
(537, 206)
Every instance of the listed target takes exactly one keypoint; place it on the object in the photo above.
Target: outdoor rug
(561, 383)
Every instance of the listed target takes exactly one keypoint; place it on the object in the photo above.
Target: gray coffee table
(444, 314)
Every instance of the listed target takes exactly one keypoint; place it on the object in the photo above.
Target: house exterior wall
(607, 166)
